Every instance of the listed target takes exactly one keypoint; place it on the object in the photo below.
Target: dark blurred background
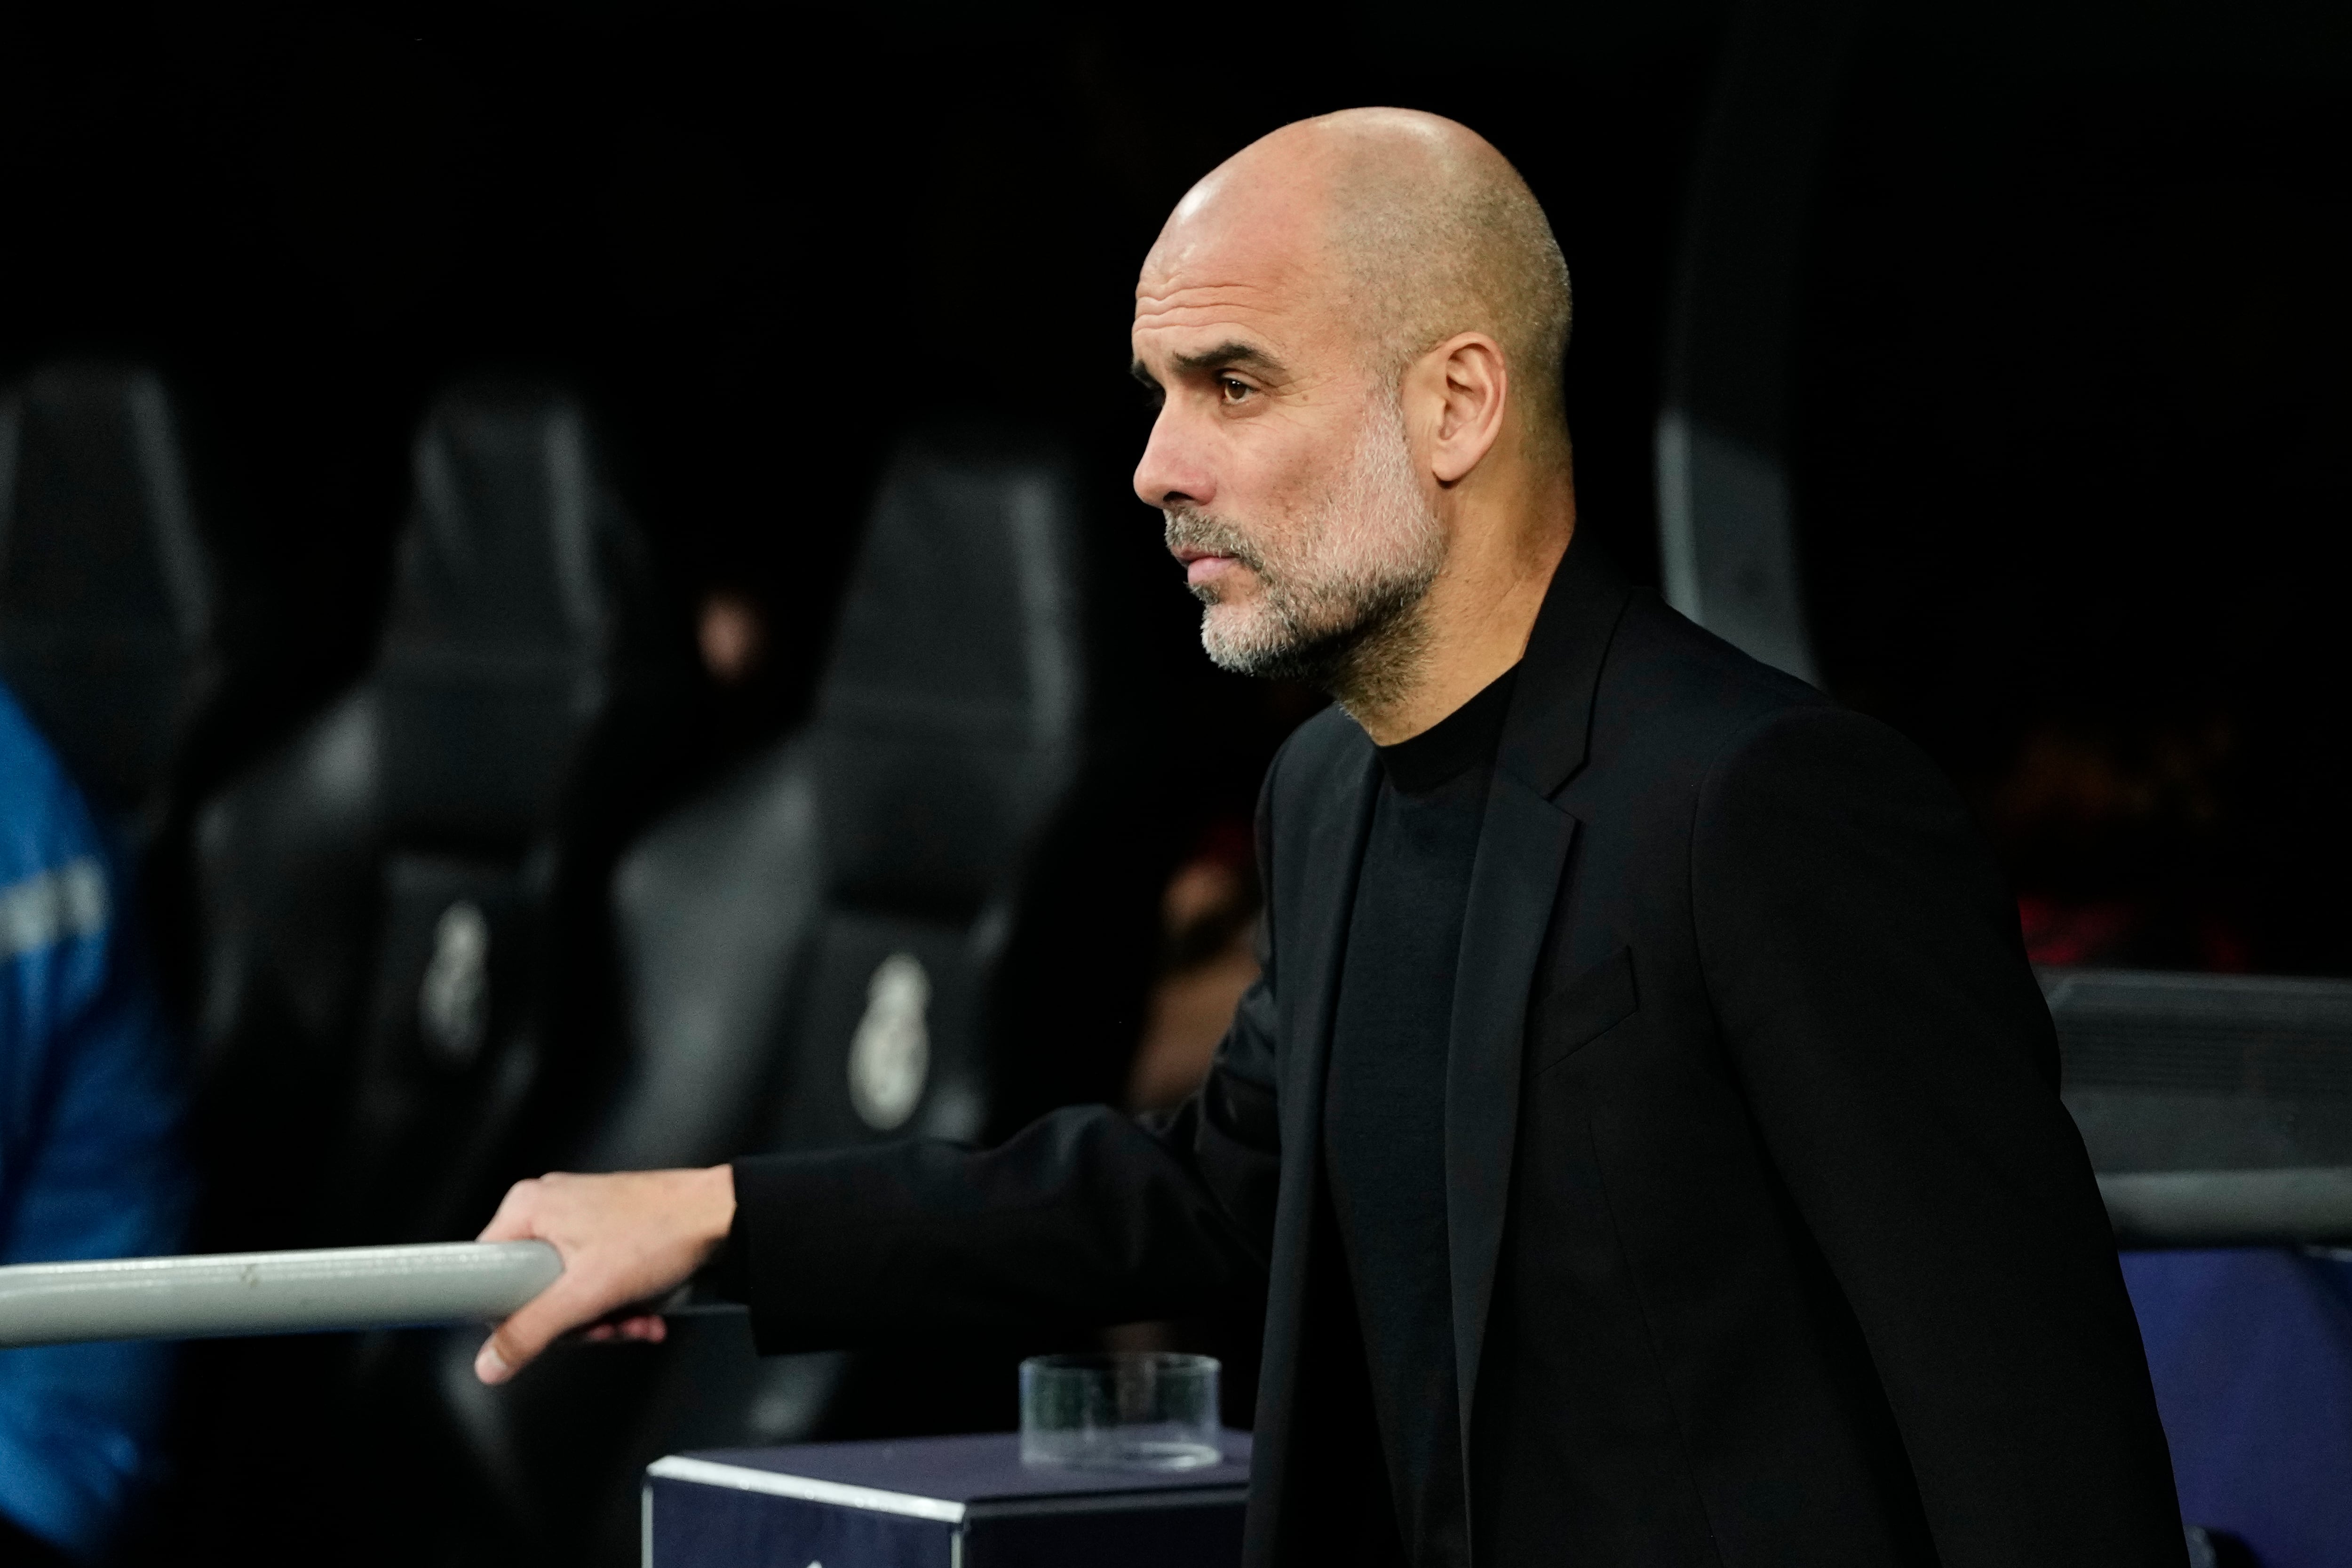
(2071, 454)
(2069, 437)
(759, 251)
(2066, 427)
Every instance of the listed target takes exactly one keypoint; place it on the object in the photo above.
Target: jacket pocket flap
(1582, 1007)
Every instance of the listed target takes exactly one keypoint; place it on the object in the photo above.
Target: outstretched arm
(1086, 1216)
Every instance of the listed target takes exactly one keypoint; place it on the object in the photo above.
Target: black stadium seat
(970, 904)
(406, 998)
(931, 911)
(400, 906)
(105, 588)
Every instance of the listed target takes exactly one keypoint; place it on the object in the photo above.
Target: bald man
(1645, 1131)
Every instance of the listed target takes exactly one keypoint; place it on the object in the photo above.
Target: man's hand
(624, 1239)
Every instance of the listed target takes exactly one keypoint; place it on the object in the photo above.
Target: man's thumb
(490, 1365)
(514, 1343)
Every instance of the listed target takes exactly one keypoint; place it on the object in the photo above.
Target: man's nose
(1172, 472)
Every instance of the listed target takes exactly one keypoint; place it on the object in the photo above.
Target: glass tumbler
(1119, 1410)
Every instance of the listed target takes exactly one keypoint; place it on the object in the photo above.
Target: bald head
(1408, 227)
(1355, 326)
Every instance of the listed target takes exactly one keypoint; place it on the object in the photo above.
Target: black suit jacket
(1770, 1240)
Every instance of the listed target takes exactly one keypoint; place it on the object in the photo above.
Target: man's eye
(1233, 390)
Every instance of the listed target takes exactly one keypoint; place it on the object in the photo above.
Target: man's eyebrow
(1234, 354)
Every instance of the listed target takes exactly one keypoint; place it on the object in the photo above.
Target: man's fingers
(517, 1342)
(534, 1326)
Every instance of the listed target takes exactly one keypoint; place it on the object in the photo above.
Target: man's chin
(1244, 644)
(1237, 641)
(1359, 658)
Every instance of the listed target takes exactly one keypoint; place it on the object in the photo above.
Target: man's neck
(1474, 623)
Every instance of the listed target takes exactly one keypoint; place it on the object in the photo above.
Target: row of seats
(444, 935)
(107, 595)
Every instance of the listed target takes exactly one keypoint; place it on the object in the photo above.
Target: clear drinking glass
(1119, 1410)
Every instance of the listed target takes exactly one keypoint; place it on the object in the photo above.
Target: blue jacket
(90, 1166)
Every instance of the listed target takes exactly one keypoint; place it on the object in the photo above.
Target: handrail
(342, 1288)
(222, 1294)
(2284, 1206)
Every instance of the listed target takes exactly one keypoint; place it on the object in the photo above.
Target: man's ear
(1466, 377)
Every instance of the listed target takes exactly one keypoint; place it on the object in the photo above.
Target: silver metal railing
(2217, 1107)
(271, 1292)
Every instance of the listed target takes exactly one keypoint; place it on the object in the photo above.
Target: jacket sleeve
(90, 1166)
(1086, 1216)
(1861, 951)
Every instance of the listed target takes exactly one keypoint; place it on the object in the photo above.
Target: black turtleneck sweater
(1384, 1105)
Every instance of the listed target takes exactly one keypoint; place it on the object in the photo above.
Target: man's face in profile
(1280, 457)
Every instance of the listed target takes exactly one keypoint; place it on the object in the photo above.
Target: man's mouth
(1210, 551)
(1204, 565)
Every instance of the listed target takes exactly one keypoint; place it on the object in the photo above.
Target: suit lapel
(1523, 847)
(1311, 898)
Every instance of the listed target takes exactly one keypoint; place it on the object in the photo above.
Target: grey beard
(1360, 648)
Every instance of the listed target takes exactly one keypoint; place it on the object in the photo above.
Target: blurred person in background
(732, 635)
(2117, 834)
(1205, 965)
(90, 1108)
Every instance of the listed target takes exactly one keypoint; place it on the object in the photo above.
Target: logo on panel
(890, 1055)
(453, 1003)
